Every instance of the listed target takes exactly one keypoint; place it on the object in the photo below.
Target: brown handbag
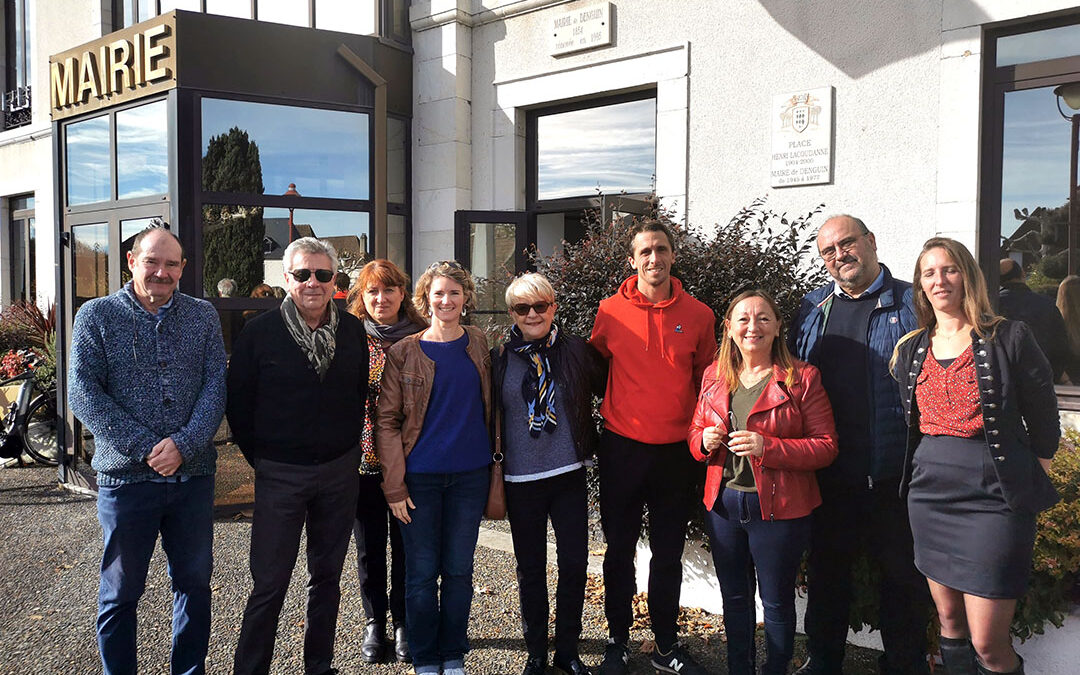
(496, 501)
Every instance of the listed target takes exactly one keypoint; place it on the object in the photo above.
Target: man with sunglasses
(658, 341)
(297, 385)
(848, 328)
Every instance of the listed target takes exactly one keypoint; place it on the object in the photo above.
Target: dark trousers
(371, 528)
(440, 544)
(851, 520)
(288, 498)
(632, 476)
(742, 544)
(528, 506)
(132, 515)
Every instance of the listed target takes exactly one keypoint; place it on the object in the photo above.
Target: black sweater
(277, 407)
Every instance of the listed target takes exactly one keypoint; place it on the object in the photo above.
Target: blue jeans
(131, 517)
(743, 543)
(439, 544)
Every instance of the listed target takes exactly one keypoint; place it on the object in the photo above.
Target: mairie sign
(128, 64)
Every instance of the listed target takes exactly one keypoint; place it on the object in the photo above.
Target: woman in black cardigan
(982, 429)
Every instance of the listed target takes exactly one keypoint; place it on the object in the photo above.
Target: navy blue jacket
(1019, 410)
(890, 320)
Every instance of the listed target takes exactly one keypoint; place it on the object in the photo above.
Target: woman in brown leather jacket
(433, 442)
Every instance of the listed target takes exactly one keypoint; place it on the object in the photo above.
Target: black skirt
(966, 536)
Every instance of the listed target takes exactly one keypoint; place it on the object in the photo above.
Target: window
(395, 21)
(600, 154)
(89, 178)
(1030, 157)
(21, 247)
(18, 56)
(130, 12)
(142, 150)
(324, 153)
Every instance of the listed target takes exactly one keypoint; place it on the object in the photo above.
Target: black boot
(957, 655)
(373, 647)
(982, 670)
(401, 645)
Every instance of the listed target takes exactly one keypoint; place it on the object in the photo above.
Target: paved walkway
(48, 585)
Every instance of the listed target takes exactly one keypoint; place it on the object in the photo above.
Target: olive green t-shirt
(738, 474)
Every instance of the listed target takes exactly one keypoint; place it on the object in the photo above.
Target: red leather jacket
(799, 438)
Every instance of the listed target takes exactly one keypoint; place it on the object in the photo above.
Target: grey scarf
(319, 344)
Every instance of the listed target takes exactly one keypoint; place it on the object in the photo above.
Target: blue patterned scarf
(538, 385)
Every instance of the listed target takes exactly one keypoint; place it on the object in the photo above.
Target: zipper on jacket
(870, 482)
(772, 503)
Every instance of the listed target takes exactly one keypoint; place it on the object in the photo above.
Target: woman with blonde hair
(982, 428)
(545, 379)
(763, 424)
(1068, 303)
(432, 438)
(380, 298)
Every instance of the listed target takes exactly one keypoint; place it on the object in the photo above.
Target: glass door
(493, 245)
(94, 264)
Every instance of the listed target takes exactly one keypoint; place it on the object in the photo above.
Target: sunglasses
(522, 308)
(449, 263)
(322, 276)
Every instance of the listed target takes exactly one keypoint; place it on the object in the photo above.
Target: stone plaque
(586, 27)
(802, 138)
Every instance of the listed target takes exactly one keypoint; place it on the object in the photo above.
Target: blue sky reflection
(325, 152)
(612, 148)
(87, 145)
(142, 151)
(1035, 155)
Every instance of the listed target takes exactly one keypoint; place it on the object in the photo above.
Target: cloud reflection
(612, 148)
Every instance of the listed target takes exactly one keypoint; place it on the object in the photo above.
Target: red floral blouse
(948, 398)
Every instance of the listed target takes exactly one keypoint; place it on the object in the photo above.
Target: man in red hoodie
(658, 340)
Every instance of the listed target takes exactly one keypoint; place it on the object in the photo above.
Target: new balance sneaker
(616, 659)
(678, 660)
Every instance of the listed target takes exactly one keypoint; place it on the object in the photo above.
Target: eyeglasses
(829, 254)
(449, 263)
(522, 308)
(322, 276)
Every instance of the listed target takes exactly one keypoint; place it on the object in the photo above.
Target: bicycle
(30, 423)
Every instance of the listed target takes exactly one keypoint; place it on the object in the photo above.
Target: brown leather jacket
(406, 389)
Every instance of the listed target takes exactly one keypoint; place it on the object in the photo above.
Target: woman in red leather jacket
(764, 425)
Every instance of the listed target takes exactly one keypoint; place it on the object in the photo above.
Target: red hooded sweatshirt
(658, 353)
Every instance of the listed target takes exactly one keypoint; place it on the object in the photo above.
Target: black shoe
(678, 661)
(957, 656)
(535, 665)
(401, 645)
(616, 659)
(373, 646)
(1019, 670)
(574, 666)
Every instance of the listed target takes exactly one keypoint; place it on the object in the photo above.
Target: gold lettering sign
(125, 65)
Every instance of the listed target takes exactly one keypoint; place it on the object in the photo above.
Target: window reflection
(1034, 185)
(491, 256)
(346, 16)
(246, 244)
(142, 151)
(607, 149)
(1041, 45)
(324, 152)
(190, 5)
(237, 8)
(1068, 303)
(90, 251)
(87, 146)
(284, 11)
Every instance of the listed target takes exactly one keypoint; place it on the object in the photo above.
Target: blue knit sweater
(135, 380)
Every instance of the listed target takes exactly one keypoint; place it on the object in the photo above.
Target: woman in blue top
(433, 442)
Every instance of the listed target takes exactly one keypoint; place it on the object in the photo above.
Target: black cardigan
(1019, 409)
(278, 408)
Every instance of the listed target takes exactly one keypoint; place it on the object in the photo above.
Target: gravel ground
(48, 581)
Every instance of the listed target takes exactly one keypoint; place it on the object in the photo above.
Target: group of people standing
(904, 421)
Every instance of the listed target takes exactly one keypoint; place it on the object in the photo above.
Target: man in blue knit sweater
(148, 380)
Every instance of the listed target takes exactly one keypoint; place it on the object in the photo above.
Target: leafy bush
(757, 248)
(1056, 569)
